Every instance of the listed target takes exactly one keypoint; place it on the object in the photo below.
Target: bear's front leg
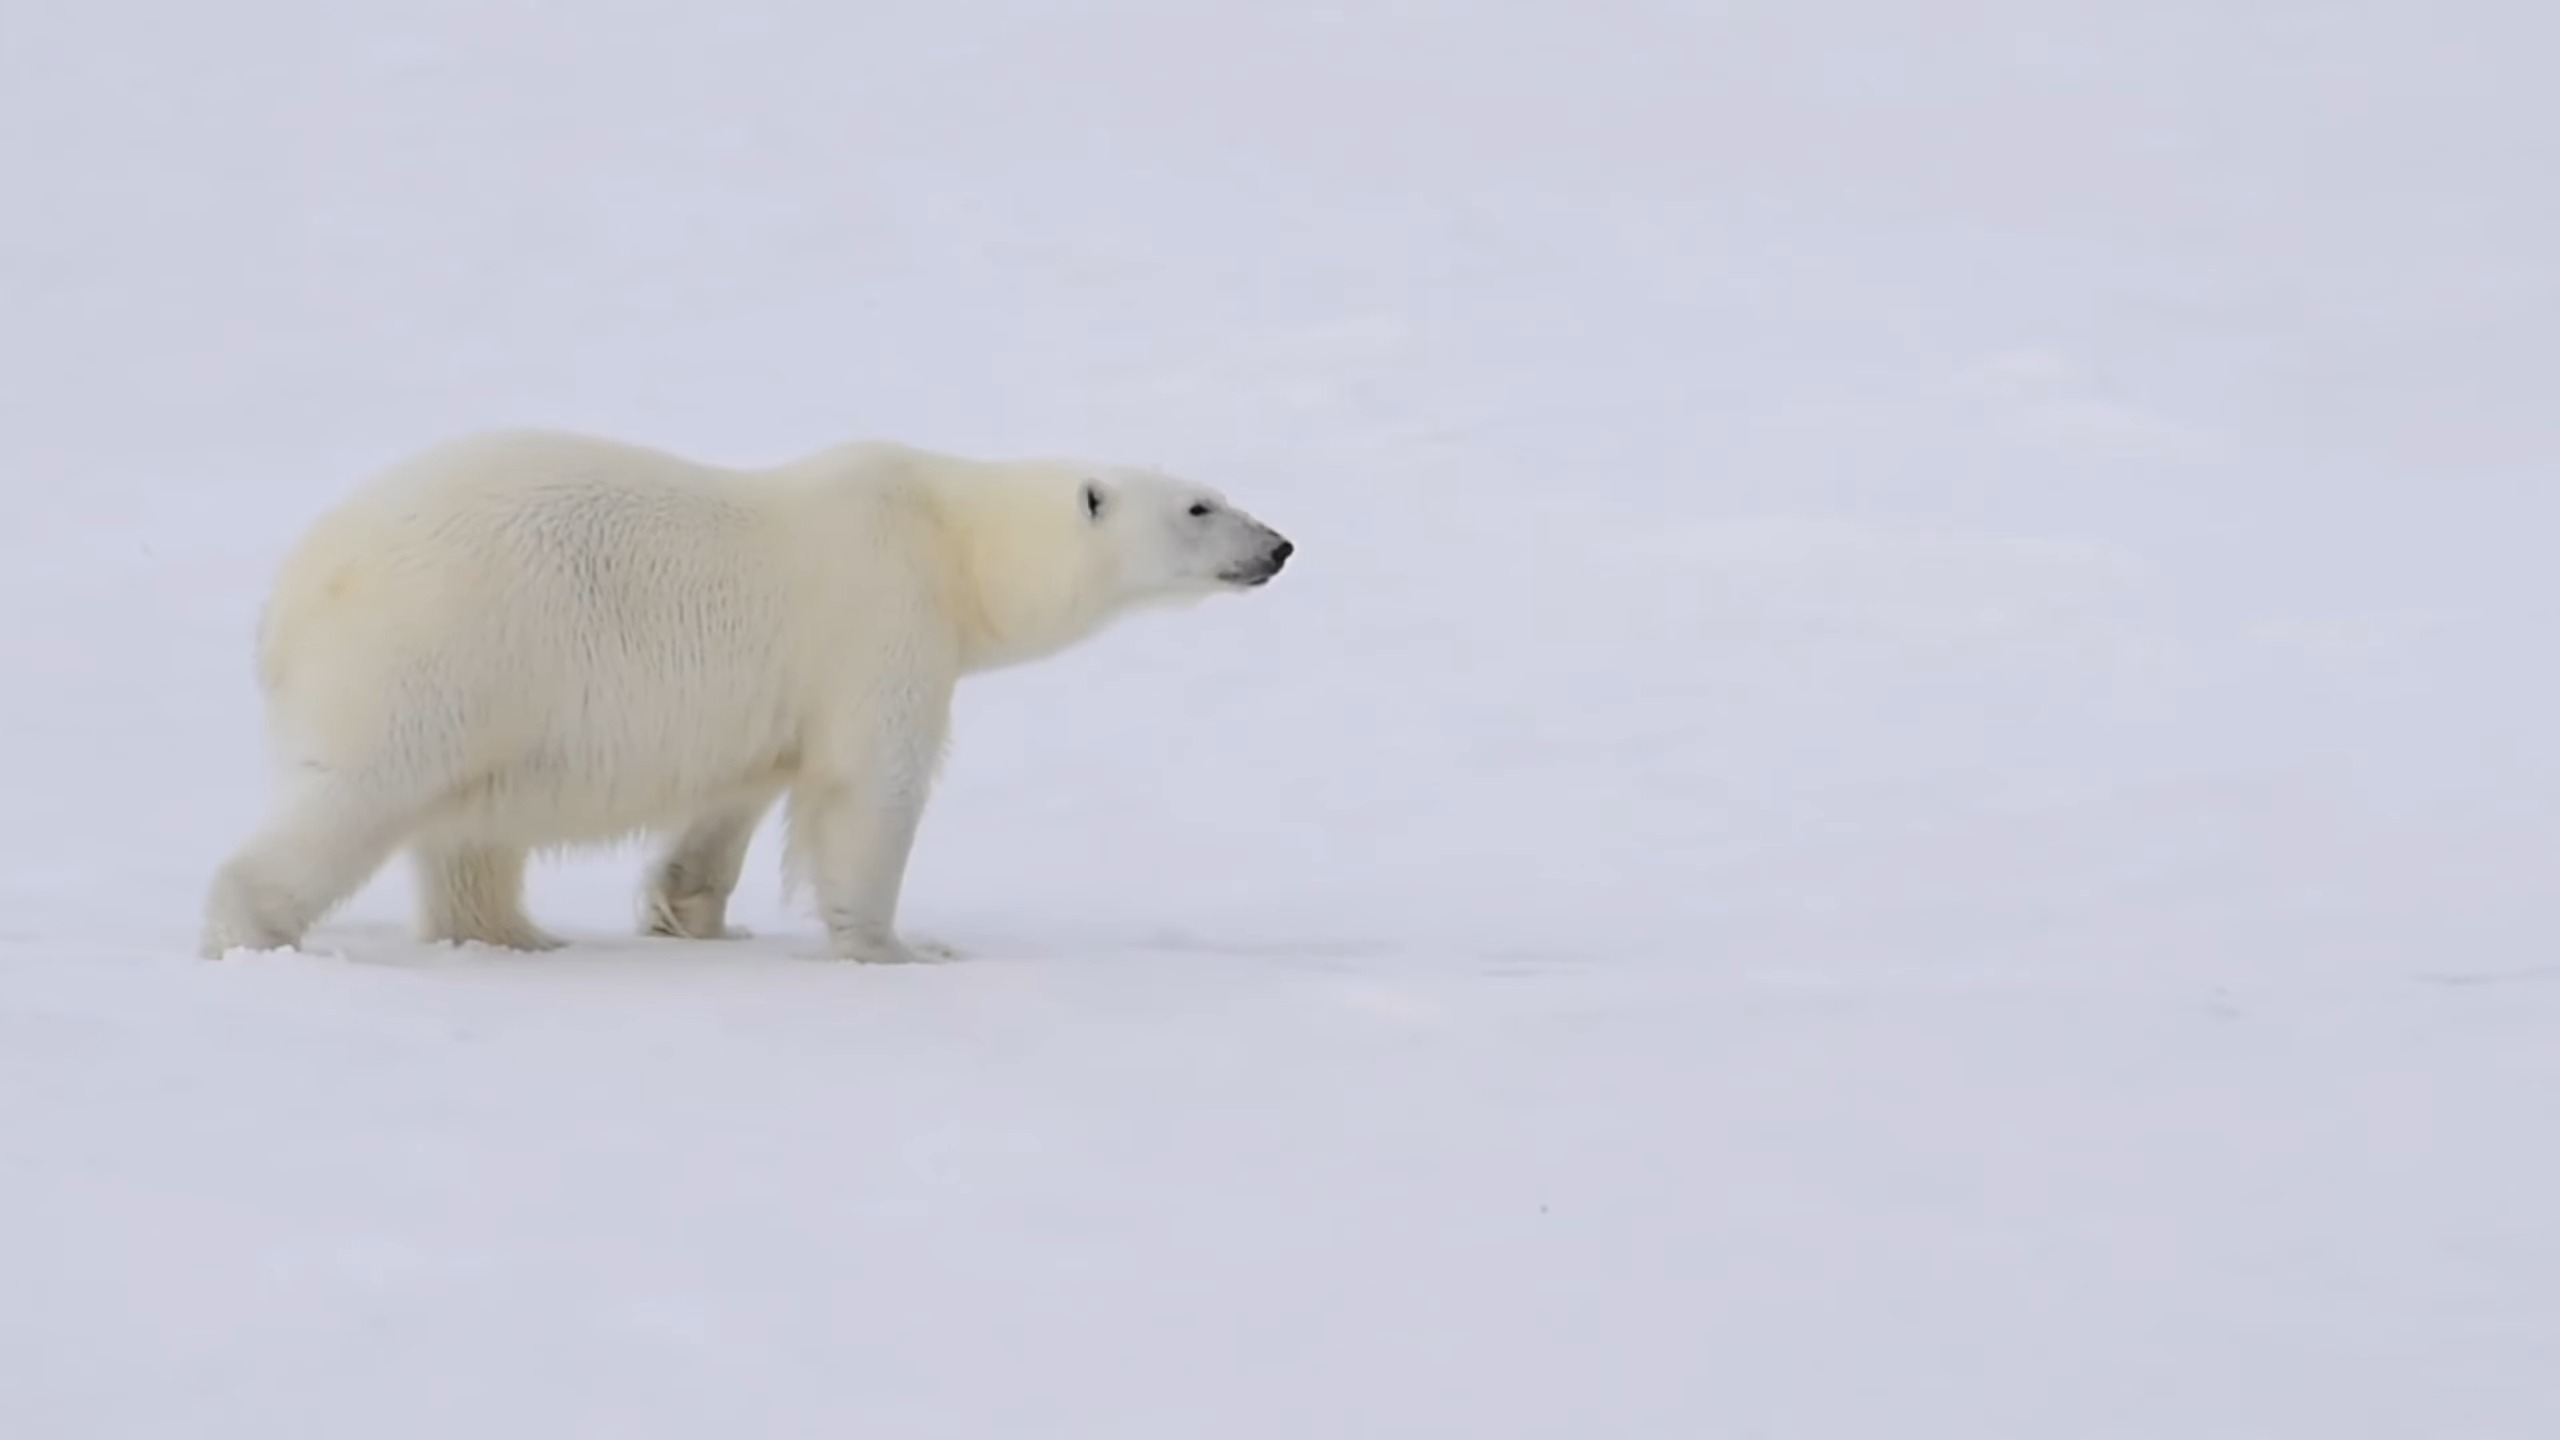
(858, 839)
(856, 823)
(688, 890)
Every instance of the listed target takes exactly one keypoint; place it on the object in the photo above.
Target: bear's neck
(1023, 596)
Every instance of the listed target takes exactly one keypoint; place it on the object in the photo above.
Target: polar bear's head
(1169, 540)
(1054, 550)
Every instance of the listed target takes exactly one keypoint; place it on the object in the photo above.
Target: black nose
(1280, 554)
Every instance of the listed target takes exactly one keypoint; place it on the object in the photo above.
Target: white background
(1904, 786)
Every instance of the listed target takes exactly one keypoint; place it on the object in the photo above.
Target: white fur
(529, 640)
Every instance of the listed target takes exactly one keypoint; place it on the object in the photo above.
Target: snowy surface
(1905, 787)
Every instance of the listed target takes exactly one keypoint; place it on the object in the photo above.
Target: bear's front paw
(693, 915)
(877, 949)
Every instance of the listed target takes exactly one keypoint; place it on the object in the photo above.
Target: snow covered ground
(1905, 787)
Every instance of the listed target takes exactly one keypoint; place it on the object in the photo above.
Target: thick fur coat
(529, 640)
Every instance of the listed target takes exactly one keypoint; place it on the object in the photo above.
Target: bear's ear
(1093, 498)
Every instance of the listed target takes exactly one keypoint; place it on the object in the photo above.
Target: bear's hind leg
(325, 837)
(474, 894)
(689, 888)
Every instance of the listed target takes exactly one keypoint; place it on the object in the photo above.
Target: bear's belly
(534, 808)
(581, 782)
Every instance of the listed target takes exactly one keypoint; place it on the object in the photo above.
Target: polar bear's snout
(1273, 553)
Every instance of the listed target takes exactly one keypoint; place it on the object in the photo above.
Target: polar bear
(532, 639)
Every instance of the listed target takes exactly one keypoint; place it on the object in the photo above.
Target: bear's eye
(1199, 508)
(1092, 501)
